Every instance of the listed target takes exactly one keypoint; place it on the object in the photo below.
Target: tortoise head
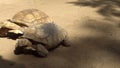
(9, 27)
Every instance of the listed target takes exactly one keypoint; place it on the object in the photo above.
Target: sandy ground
(94, 31)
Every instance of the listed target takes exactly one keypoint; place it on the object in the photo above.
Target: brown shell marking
(31, 16)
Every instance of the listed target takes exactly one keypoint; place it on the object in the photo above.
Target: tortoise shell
(48, 33)
(30, 16)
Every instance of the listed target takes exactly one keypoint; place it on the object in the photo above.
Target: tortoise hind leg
(66, 42)
(41, 50)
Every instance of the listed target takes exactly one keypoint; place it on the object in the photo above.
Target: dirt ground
(93, 27)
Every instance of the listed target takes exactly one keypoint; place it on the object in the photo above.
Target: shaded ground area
(93, 30)
(109, 9)
(9, 64)
(106, 7)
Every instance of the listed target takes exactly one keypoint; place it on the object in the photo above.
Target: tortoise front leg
(21, 45)
(41, 50)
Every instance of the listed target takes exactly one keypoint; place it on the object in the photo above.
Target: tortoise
(42, 38)
(24, 19)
